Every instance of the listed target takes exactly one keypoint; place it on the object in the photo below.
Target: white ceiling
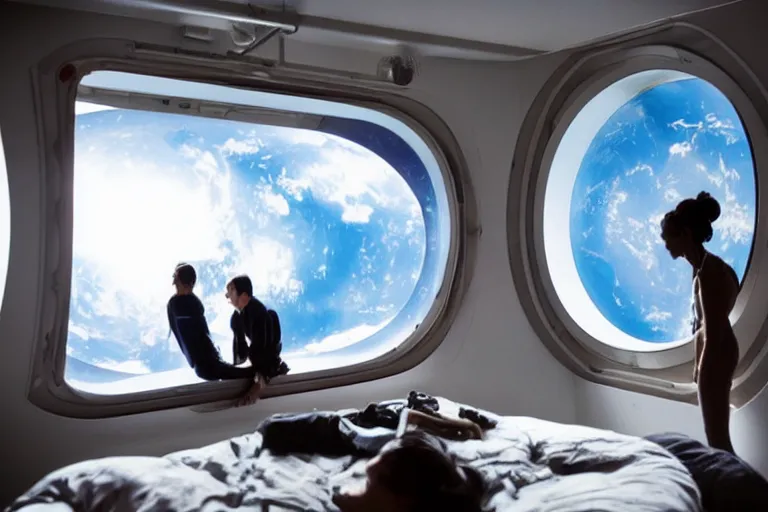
(537, 25)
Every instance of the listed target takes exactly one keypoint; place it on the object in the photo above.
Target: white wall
(741, 28)
(490, 357)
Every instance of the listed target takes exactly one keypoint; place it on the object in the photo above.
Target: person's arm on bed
(444, 427)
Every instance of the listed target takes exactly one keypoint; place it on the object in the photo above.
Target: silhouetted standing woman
(715, 287)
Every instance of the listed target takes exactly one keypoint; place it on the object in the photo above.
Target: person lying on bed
(186, 317)
(334, 434)
(409, 470)
(415, 473)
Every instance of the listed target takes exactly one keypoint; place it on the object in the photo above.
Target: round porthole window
(616, 138)
(629, 140)
(634, 151)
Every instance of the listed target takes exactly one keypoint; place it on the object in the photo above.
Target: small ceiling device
(398, 69)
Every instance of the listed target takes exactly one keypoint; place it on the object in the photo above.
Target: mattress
(530, 465)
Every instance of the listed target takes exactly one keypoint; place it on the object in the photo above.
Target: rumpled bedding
(726, 482)
(529, 464)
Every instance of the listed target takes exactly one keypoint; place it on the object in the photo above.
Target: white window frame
(5, 213)
(662, 369)
(55, 117)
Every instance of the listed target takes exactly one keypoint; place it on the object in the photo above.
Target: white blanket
(530, 464)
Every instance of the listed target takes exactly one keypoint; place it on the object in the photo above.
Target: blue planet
(667, 143)
(331, 235)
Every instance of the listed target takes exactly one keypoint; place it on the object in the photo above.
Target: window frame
(55, 116)
(665, 372)
(649, 58)
(5, 211)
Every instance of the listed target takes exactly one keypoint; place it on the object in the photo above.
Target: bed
(530, 465)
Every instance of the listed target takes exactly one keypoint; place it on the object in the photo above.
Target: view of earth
(668, 143)
(331, 235)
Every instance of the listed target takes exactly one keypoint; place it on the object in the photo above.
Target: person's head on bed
(686, 228)
(415, 473)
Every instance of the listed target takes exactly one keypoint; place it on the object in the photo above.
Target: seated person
(186, 317)
(252, 321)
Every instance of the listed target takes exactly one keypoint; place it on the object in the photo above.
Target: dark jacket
(254, 324)
(186, 317)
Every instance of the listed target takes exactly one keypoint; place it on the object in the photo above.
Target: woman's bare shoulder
(717, 270)
(718, 265)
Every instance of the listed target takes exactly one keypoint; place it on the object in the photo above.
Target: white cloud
(658, 319)
(728, 174)
(358, 181)
(616, 198)
(680, 123)
(657, 316)
(684, 326)
(312, 137)
(645, 254)
(640, 168)
(734, 225)
(272, 268)
(671, 195)
(591, 189)
(654, 223)
(722, 127)
(356, 213)
(351, 176)
(680, 148)
(130, 366)
(714, 178)
(273, 201)
(241, 147)
(346, 338)
(82, 331)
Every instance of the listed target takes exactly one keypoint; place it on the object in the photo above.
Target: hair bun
(708, 206)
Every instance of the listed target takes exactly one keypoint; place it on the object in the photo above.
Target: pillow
(726, 483)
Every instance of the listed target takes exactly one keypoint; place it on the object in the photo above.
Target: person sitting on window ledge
(186, 317)
(254, 322)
